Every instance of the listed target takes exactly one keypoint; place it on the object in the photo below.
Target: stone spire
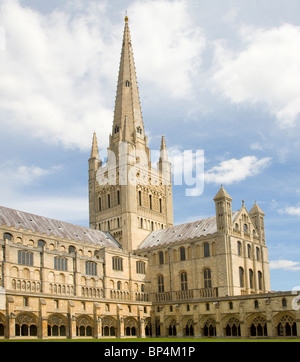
(222, 193)
(95, 150)
(127, 106)
(163, 149)
(164, 166)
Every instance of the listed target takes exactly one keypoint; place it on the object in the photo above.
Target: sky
(218, 76)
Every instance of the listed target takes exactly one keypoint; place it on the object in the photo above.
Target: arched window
(161, 257)
(140, 267)
(7, 236)
(150, 202)
(258, 327)
(41, 243)
(249, 251)
(189, 329)
(182, 253)
(84, 326)
(206, 250)
(172, 328)
(209, 329)
(245, 228)
(239, 248)
(91, 268)
(241, 274)
(117, 263)
(259, 280)
(183, 281)
(251, 278)
(257, 254)
(287, 326)
(207, 278)
(60, 263)
(233, 327)
(160, 282)
(127, 84)
(25, 257)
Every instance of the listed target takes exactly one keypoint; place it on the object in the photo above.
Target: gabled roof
(182, 232)
(43, 225)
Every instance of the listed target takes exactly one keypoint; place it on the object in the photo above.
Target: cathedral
(132, 273)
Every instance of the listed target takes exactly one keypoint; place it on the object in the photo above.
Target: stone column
(142, 328)
(99, 328)
(43, 323)
(121, 331)
(179, 330)
(298, 322)
(11, 325)
(72, 320)
(97, 320)
(153, 321)
(243, 325)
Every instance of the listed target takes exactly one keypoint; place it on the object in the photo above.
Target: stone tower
(223, 211)
(127, 196)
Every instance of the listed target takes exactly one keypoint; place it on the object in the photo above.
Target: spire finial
(126, 17)
(95, 150)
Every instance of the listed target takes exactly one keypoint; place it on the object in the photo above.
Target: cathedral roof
(50, 227)
(182, 232)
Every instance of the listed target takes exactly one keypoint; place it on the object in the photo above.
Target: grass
(155, 340)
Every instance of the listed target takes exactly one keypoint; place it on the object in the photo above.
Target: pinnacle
(222, 194)
(95, 150)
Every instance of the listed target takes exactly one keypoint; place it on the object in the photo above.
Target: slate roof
(51, 227)
(183, 232)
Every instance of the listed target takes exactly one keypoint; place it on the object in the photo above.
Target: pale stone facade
(132, 273)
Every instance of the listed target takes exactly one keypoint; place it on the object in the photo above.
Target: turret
(223, 211)
(257, 216)
(164, 166)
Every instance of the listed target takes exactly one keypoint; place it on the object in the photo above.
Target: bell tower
(128, 197)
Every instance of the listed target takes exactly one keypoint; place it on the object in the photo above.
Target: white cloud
(16, 176)
(292, 210)
(266, 71)
(285, 265)
(234, 170)
(54, 73)
(256, 146)
(17, 183)
(58, 72)
(168, 45)
(67, 208)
